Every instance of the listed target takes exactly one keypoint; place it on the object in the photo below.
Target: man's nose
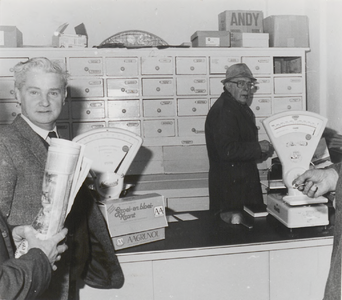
(44, 100)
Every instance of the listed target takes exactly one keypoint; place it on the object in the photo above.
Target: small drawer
(259, 64)
(281, 104)
(191, 65)
(133, 126)
(157, 87)
(193, 107)
(85, 66)
(192, 86)
(215, 86)
(64, 130)
(82, 127)
(288, 85)
(191, 126)
(83, 88)
(87, 109)
(9, 111)
(7, 89)
(157, 65)
(123, 109)
(262, 106)
(263, 86)
(7, 65)
(219, 65)
(123, 88)
(159, 128)
(121, 66)
(159, 108)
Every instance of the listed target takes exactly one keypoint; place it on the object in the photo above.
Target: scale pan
(303, 200)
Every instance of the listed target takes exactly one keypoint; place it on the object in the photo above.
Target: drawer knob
(257, 108)
(11, 70)
(14, 114)
(194, 109)
(193, 129)
(159, 130)
(257, 68)
(289, 87)
(124, 111)
(289, 107)
(122, 69)
(158, 89)
(86, 69)
(88, 112)
(11, 92)
(192, 68)
(157, 68)
(192, 89)
(86, 90)
(159, 110)
(122, 90)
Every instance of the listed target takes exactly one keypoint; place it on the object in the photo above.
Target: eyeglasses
(242, 84)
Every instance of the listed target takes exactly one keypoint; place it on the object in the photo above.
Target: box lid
(134, 214)
(212, 33)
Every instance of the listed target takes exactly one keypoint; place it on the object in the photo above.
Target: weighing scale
(295, 136)
(112, 151)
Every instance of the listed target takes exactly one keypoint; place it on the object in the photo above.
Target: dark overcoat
(90, 253)
(233, 149)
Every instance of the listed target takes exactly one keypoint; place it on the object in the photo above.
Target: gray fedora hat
(236, 71)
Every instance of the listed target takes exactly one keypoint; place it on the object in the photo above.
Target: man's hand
(49, 246)
(266, 148)
(316, 182)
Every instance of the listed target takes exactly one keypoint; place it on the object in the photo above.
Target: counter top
(208, 232)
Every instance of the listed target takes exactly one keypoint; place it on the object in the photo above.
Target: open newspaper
(65, 170)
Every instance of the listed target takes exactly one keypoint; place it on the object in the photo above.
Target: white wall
(176, 20)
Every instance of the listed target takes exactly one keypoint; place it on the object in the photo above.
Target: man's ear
(17, 94)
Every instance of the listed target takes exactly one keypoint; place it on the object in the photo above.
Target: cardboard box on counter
(139, 238)
(134, 214)
(287, 31)
(62, 40)
(241, 21)
(10, 37)
(251, 40)
(211, 39)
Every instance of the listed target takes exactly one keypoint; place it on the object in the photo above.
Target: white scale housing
(112, 151)
(295, 136)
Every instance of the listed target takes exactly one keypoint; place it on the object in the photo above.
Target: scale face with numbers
(112, 151)
(295, 136)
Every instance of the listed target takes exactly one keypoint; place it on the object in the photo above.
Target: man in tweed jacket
(40, 87)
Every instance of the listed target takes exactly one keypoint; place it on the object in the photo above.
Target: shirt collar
(40, 131)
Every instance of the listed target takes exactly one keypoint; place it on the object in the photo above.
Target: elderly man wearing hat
(233, 147)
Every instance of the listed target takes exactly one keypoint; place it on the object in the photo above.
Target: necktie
(52, 134)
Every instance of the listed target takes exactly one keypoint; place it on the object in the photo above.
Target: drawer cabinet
(288, 85)
(159, 108)
(82, 88)
(192, 86)
(220, 64)
(259, 65)
(123, 88)
(193, 107)
(191, 65)
(7, 89)
(85, 109)
(123, 109)
(87, 66)
(159, 128)
(121, 66)
(163, 95)
(7, 65)
(157, 65)
(158, 87)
